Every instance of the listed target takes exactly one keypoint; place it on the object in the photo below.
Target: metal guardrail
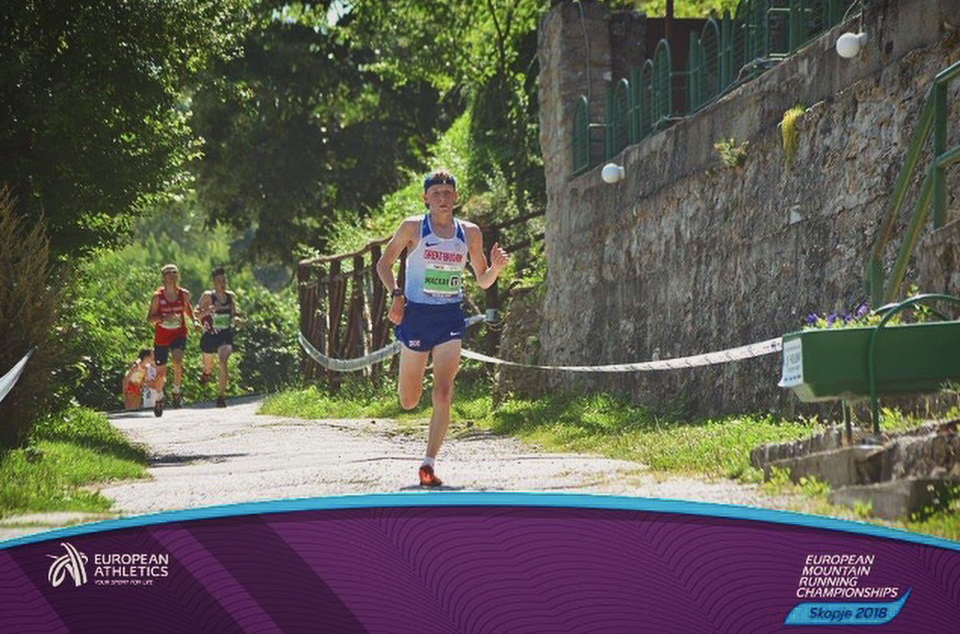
(933, 120)
(728, 51)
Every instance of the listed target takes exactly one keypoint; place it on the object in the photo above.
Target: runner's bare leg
(410, 383)
(446, 363)
(224, 353)
(177, 358)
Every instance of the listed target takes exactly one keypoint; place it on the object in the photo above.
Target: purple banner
(417, 567)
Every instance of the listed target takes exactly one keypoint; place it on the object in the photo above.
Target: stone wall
(686, 255)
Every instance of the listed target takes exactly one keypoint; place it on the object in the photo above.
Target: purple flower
(812, 319)
(862, 310)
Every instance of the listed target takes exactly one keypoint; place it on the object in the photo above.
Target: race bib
(221, 321)
(442, 280)
(171, 322)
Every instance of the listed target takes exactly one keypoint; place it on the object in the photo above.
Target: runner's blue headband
(438, 180)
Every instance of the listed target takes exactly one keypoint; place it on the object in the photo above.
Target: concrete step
(898, 499)
(856, 465)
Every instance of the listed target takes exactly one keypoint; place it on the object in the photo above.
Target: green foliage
(731, 154)
(29, 305)
(340, 102)
(682, 8)
(944, 522)
(788, 131)
(104, 321)
(104, 326)
(266, 341)
(86, 428)
(301, 126)
(597, 423)
(67, 453)
(92, 117)
(451, 151)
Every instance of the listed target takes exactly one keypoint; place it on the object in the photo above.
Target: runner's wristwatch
(397, 292)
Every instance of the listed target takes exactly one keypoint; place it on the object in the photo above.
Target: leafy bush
(104, 321)
(266, 340)
(104, 326)
(29, 304)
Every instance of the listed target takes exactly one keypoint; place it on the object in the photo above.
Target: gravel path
(205, 456)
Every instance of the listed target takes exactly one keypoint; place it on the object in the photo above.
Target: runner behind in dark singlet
(217, 310)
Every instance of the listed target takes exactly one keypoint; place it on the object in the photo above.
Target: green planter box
(822, 365)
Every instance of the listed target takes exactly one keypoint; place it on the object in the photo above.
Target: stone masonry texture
(687, 255)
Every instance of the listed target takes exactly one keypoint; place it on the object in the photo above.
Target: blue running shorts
(426, 326)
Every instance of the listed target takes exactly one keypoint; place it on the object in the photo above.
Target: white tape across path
(353, 365)
(8, 380)
(710, 358)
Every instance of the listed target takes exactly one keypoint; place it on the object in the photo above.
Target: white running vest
(435, 266)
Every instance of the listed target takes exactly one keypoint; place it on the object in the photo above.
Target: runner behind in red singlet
(169, 310)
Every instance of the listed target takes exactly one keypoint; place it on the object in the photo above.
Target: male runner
(169, 309)
(427, 311)
(217, 310)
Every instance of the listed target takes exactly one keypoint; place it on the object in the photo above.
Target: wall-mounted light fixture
(850, 44)
(612, 173)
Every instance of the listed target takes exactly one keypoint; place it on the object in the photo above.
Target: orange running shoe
(428, 478)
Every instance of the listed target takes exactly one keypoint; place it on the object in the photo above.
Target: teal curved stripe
(531, 500)
(848, 613)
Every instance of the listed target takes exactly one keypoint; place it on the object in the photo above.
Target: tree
(92, 116)
(299, 127)
(485, 52)
(29, 304)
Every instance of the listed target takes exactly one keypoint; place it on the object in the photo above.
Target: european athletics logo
(71, 563)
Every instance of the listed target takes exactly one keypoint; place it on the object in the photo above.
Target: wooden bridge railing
(343, 304)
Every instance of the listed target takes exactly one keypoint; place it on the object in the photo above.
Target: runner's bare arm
(400, 241)
(126, 377)
(235, 318)
(203, 306)
(153, 314)
(485, 273)
(188, 309)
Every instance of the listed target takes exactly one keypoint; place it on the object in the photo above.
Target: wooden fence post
(492, 297)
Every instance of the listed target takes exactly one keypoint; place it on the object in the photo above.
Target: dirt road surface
(205, 456)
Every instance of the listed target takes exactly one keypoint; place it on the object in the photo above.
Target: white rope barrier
(710, 358)
(8, 380)
(359, 363)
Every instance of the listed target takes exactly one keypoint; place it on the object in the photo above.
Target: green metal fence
(726, 52)
(933, 193)
(581, 136)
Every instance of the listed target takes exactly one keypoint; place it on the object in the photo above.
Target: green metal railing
(736, 48)
(581, 136)
(933, 120)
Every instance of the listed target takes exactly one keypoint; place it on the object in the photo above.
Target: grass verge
(596, 423)
(67, 453)
(609, 426)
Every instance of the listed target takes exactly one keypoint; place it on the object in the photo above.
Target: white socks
(428, 461)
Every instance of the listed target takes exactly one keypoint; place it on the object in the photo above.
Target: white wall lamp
(850, 44)
(612, 173)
